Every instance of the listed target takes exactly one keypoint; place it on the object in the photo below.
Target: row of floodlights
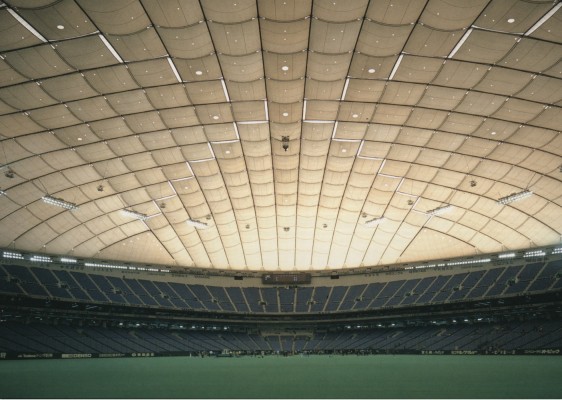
(202, 225)
(67, 260)
(448, 207)
(435, 322)
(450, 264)
(54, 201)
(527, 254)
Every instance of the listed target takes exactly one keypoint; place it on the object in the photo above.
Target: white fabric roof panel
(182, 110)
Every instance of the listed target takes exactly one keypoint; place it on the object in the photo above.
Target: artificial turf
(381, 376)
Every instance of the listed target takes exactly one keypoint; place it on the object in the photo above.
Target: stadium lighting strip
(11, 254)
(450, 264)
(59, 202)
(41, 259)
(197, 224)
(425, 266)
(440, 210)
(88, 264)
(134, 214)
(506, 255)
(420, 267)
(374, 222)
(534, 253)
(145, 269)
(115, 266)
(466, 262)
(514, 197)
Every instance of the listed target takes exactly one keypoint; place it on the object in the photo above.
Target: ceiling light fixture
(134, 214)
(285, 68)
(514, 197)
(439, 210)
(198, 73)
(197, 224)
(2, 193)
(61, 27)
(54, 201)
(371, 70)
(374, 222)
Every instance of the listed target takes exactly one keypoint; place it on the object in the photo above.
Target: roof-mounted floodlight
(374, 222)
(44, 259)
(197, 224)
(54, 201)
(440, 210)
(12, 254)
(134, 214)
(514, 197)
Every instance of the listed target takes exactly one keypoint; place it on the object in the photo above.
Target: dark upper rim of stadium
(297, 135)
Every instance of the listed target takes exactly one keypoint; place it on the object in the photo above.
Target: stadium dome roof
(280, 134)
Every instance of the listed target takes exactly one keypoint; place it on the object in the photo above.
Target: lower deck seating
(37, 337)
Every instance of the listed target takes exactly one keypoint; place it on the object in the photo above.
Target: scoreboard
(286, 279)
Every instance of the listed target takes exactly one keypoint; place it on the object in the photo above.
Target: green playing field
(286, 377)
